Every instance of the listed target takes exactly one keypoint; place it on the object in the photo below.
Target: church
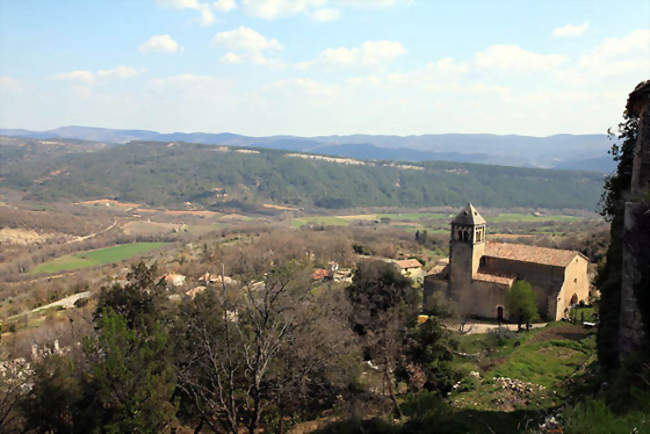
(481, 272)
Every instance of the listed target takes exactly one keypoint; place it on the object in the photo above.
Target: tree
(378, 287)
(521, 304)
(427, 351)
(384, 304)
(132, 374)
(140, 302)
(56, 399)
(269, 347)
(13, 376)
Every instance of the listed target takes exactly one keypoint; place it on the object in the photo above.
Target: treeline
(168, 176)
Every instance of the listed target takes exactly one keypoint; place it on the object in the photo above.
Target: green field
(517, 217)
(95, 257)
(411, 216)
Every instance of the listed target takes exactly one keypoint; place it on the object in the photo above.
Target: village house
(411, 268)
(481, 272)
(174, 279)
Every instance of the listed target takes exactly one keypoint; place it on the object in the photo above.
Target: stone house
(411, 268)
(481, 272)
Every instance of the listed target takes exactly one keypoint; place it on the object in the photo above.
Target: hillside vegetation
(170, 174)
(566, 151)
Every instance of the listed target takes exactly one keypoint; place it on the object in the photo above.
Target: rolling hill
(168, 174)
(587, 151)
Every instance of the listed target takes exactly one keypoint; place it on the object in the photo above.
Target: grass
(518, 217)
(546, 356)
(92, 258)
(588, 313)
(319, 220)
(546, 363)
(411, 216)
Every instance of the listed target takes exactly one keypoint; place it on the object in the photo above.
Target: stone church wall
(576, 283)
(487, 297)
(546, 280)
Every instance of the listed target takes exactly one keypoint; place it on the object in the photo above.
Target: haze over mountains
(562, 151)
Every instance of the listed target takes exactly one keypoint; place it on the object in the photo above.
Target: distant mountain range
(561, 151)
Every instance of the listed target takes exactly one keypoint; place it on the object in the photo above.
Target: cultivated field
(95, 257)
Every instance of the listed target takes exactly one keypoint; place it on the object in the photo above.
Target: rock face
(635, 286)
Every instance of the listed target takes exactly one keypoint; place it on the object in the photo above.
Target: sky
(322, 67)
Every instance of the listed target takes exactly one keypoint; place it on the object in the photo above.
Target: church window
(460, 235)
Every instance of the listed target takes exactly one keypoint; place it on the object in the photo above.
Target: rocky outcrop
(635, 280)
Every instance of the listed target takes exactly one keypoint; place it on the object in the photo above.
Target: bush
(499, 337)
(595, 416)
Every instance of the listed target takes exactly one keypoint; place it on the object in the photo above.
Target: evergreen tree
(132, 374)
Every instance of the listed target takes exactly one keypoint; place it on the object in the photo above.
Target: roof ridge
(533, 246)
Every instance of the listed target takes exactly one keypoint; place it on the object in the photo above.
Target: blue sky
(316, 67)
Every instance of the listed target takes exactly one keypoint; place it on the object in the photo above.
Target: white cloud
(231, 58)
(614, 56)
(325, 14)
(160, 44)
(10, 84)
(245, 43)
(570, 30)
(207, 17)
(186, 82)
(119, 72)
(372, 3)
(225, 5)
(513, 58)
(449, 65)
(370, 53)
(78, 75)
(316, 9)
(305, 86)
(273, 9)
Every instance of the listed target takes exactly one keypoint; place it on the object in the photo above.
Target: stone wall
(546, 280)
(576, 282)
(487, 297)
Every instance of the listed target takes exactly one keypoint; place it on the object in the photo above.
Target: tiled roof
(503, 280)
(320, 274)
(442, 269)
(408, 263)
(534, 254)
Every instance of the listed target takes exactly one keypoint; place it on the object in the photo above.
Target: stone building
(481, 272)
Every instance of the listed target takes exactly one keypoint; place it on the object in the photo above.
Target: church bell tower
(466, 247)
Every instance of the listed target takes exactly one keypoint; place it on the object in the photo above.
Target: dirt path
(479, 327)
(94, 234)
(66, 302)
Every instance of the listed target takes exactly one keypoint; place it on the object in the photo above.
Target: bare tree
(13, 388)
(241, 348)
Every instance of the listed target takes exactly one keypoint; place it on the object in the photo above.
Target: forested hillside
(170, 174)
(564, 151)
